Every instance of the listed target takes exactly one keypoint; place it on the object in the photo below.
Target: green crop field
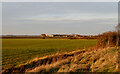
(20, 51)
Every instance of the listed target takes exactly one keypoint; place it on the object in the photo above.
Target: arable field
(20, 51)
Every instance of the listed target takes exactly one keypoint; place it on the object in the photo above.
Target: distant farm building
(60, 35)
(68, 36)
(76, 35)
(64, 35)
(43, 35)
(57, 35)
(50, 35)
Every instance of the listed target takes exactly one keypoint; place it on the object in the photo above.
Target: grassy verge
(100, 60)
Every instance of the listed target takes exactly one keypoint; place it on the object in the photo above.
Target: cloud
(72, 17)
(58, 17)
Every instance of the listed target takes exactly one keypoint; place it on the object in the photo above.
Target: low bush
(108, 39)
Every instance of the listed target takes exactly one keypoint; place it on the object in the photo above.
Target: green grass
(19, 51)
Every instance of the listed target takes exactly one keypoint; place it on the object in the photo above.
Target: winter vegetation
(62, 55)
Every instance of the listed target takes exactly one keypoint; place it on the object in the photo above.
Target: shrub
(107, 39)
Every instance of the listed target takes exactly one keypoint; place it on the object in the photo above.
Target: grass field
(19, 51)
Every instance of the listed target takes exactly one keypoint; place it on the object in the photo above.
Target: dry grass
(94, 60)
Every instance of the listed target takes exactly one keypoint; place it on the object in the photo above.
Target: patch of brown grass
(94, 60)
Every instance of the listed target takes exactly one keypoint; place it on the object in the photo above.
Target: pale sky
(59, 17)
(59, 0)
